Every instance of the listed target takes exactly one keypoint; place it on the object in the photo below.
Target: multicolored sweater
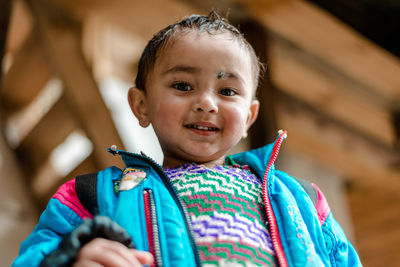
(226, 211)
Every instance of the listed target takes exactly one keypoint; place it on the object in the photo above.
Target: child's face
(198, 98)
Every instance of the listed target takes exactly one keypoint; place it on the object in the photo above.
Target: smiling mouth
(202, 128)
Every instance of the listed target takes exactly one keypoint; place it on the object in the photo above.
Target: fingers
(86, 263)
(144, 257)
(103, 252)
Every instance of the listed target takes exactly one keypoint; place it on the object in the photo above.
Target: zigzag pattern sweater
(227, 214)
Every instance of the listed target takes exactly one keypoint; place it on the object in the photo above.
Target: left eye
(227, 92)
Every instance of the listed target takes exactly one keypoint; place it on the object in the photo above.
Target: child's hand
(103, 252)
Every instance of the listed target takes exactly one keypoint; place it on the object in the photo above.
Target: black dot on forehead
(221, 74)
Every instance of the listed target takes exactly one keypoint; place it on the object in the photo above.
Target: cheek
(166, 114)
(236, 118)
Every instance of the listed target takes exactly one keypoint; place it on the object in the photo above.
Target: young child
(196, 85)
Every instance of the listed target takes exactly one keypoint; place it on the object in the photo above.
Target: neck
(174, 162)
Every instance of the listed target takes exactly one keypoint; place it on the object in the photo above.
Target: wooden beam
(51, 130)
(114, 53)
(375, 234)
(377, 20)
(264, 129)
(132, 16)
(385, 216)
(19, 28)
(396, 125)
(382, 204)
(46, 183)
(60, 38)
(299, 73)
(5, 9)
(382, 241)
(335, 147)
(382, 220)
(26, 77)
(328, 39)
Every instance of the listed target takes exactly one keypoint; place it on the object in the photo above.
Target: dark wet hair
(212, 24)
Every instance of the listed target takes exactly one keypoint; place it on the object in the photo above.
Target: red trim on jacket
(149, 225)
(273, 226)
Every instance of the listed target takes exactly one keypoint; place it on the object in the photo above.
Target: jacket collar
(258, 159)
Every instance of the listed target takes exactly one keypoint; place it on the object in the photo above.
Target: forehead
(195, 39)
(210, 50)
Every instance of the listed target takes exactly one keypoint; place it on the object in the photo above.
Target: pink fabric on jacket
(322, 206)
(66, 194)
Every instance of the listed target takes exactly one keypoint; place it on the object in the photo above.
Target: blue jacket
(303, 233)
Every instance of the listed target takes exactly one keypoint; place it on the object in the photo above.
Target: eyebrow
(229, 75)
(223, 74)
(181, 68)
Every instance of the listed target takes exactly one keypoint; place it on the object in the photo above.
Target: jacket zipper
(276, 240)
(172, 191)
(152, 227)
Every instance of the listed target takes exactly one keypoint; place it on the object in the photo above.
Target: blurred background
(333, 82)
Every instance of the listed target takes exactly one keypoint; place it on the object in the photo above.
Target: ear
(138, 103)
(252, 116)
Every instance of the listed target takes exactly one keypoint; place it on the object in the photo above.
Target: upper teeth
(205, 128)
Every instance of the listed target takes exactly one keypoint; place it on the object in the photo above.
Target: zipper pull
(113, 150)
(282, 133)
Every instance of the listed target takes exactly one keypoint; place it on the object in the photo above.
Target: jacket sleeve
(341, 252)
(98, 227)
(62, 215)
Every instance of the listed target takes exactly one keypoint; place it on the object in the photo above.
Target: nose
(206, 102)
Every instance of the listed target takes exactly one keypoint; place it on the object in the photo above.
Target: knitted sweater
(227, 214)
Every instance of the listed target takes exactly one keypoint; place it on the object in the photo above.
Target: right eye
(182, 86)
